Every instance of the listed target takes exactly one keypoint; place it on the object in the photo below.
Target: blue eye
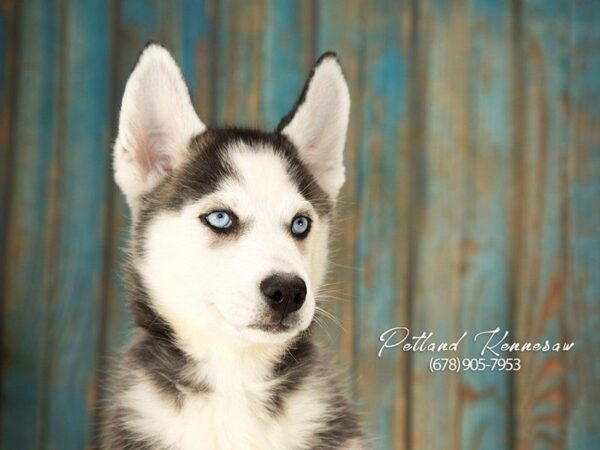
(300, 226)
(220, 220)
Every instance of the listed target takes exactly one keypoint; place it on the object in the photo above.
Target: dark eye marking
(300, 226)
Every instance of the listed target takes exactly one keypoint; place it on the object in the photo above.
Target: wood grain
(483, 397)
(288, 56)
(27, 285)
(79, 198)
(540, 384)
(582, 285)
(439, 256)
(381, 234)
(240, 38)
(8, 82)
(195, 53)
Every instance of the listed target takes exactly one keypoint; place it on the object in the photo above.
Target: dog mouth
(271, 327)
(276, 324)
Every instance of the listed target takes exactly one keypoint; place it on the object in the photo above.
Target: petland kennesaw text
(492, 343)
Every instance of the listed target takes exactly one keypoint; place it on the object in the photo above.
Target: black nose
(285, 293)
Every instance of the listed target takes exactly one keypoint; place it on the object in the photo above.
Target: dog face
(230, 227)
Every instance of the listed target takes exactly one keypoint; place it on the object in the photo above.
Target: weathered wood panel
(29, 239)
(380, 241)
(437, 298)
(240, 63)
(260, 55)
(288, 55)
(582, 284)
(539, 386)
(483, 397)
(79, 195)
(196, 53)
(8, 79)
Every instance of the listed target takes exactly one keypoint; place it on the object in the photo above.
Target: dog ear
(318, 123)
(156, 123)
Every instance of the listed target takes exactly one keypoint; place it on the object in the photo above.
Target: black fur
(340, 426)
(291, 371)
(300, 362)
(156, 352)
(207, 167)
(144, 314)
(167, 366)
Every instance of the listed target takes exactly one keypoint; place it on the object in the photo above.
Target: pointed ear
(156, 123)
(317, 125)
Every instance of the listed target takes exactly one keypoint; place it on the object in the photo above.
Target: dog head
(230, 226)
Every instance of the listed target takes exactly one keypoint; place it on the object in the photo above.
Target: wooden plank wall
(472, 200)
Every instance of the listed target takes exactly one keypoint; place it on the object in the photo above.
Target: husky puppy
(228, 249)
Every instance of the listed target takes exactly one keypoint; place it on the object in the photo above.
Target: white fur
(319, 126)
(198, 285)
(156, 123)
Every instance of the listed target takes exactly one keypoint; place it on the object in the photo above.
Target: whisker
(323, 327)
(328, 315)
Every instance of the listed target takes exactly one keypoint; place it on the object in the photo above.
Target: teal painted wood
(440, 211)
(288, 56)
(27, 285)
(240, 59)
(197, 53)
(538, 304)
(485, 305)
(8, 27)
(183, 26)
(339, 30)
(80, 197)
(8, 76)
(263, 60)
(582, 300)
(381, 233)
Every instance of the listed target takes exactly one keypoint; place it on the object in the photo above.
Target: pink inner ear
(152, 159)
(164, 163)
(154, 162)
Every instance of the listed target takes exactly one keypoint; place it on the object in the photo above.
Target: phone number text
(474, 364)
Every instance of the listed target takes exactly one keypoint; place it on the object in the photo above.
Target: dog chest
(224, 420)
